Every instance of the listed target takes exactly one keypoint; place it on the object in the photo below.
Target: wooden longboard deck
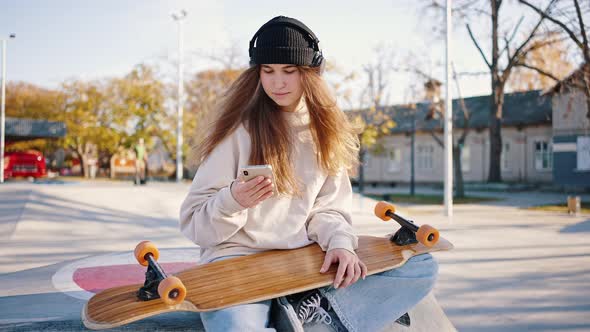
(246, 279)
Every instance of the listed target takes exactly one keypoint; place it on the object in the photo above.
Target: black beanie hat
(285, 40)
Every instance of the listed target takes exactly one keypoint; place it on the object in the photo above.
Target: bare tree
(342, 82)
(378, 74)
(432, 93)
(569, 17)
(375, 122)
(500, 68)
(230, 57)
(437, 111)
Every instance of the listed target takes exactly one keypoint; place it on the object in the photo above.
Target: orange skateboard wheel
(427, 235)
(381, 210)
(172, 290)
(143, 248)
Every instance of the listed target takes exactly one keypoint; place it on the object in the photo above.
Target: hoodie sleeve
(330, 221)
(209, 215)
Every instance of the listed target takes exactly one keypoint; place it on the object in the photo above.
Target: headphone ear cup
(318, 58)
(319, 61)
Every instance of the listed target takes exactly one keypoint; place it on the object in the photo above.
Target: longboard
(248, 279)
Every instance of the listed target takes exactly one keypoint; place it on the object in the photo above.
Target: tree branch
(464, 108)
(583, 30)
(463, 10)
(559, 23)
(507, 48)
(478, 47)
(509, 40)
(414, 70)
(477, 73)
(538, 70)
(518, 53)
(438, 140)
(544, 43)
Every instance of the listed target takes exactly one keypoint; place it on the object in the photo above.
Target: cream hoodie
(214, 220)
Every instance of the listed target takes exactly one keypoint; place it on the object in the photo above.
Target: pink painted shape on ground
(96, 279)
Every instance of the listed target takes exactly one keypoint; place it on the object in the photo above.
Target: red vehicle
(24, 164)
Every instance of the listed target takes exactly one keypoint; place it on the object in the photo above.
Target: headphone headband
(287, 21)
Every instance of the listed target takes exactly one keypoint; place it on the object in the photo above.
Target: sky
(59, 40)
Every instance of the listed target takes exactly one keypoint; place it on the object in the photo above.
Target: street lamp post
(3, 117)
(448, 119)
(179, 17)
(413, 142)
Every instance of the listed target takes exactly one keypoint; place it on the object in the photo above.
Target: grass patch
(428, 199)
(585, 207)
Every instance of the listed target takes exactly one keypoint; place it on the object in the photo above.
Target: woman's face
(282, 83)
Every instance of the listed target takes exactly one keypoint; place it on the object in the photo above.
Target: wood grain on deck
(246, 279)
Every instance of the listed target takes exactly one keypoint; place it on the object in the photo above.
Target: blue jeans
(367, 305)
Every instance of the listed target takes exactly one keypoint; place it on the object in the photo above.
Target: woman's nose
(279, 82)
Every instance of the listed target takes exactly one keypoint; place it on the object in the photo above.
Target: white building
(526, 137)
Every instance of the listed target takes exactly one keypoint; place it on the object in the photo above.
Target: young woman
(280, 112)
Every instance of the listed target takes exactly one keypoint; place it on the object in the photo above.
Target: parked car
(24, 164)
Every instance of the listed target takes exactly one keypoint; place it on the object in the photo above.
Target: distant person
(140, 162)
(92, 167)
(281, 112)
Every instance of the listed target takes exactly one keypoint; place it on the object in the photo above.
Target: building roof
(19, 129)
(572, 80)
(520, 109)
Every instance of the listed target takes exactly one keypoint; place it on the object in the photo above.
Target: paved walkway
(512, 269)
(505, 198)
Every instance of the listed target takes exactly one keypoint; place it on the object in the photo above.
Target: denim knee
(243, 317)
(422, 266)
(216, 321)
(428, 265)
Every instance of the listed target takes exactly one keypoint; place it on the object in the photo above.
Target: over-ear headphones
(318, 58)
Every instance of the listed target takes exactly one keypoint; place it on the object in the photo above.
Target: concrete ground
(512, 269)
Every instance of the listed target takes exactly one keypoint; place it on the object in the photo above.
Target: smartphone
(250, 172)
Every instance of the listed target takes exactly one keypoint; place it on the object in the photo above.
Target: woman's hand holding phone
(252, 192)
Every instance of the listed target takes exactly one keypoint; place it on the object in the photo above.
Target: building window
(424, 156)
(543, 156)
(583, 153)
(465, 159)
(505, 156)
(395, 160)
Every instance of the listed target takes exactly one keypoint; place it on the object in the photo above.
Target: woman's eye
(267, 72)
(290, 72)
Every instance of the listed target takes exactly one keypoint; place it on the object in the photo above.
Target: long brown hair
(335, 139)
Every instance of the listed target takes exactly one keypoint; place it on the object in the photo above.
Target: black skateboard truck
(153, 276)
(409, 233)
(157, 283)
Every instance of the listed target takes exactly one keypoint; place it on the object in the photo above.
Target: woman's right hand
(251, 193)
